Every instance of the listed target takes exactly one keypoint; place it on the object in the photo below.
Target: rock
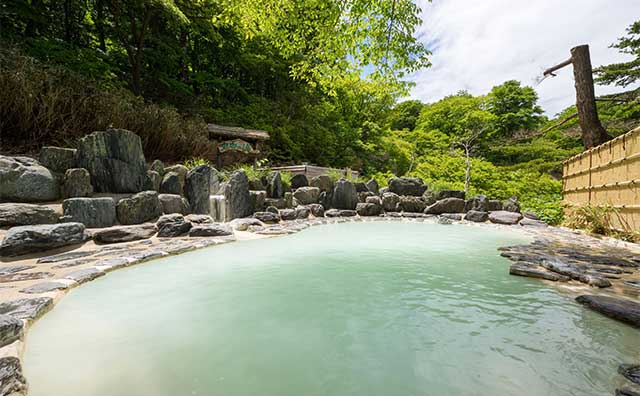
(511, 205)
(180, 169)
(66, 256)
(476, 216)
(118, 234)
(533, 271)
(23, 179)
(628, 390)
(172, 225)
(411, 204)
(272, 209)
(494, 205)
(210, 230)
(197, 189)
(323, 182)
(26, 308)
(258, 200)
(36, 238)
(158, 167)
(84, 275)
(307, 195)
(531, 215)
(275, 188)
(302, 212)
(479, 203)
(447, 205)
(257, 185)
(43, 287)
(374, 200)
(442, 194)
(244, 224)
(199, 219)
(325, 199)
(267, 217)
(57, 159)
(237, 196)
(11, 329)
(139, 208)
(361, 187)
(12, 382)
(390, 201)
(317, 210)
(18, 277)
(115, 160)
(504, 217)
(288, 199)
(172, 184)
(15, 268)
(155, 180)
(287, 214)
(383, 190)
(173, 203)
(13, 214)
(92, 212)
(340, 213)
(621, 309)
(407, 186)
(368, 209)
(363, 195)
(452, 216)
(278, 203)
(532, 223)
(299, 180)
(630, 372)
(77, 183)
(344, 195)
(372, 185)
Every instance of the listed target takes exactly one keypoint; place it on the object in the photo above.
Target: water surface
(383, 308)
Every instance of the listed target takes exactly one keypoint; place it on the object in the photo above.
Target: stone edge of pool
(580, 264)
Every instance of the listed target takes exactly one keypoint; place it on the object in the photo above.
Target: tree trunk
(593, 133)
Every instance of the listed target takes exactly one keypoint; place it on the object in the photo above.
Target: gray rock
(452, 216)
(36, 238)
(258, 185)
(531, 215)
(340, 213)
(267, 217)
(84, 275)
(180, 169)
(288, 199)
(325, 199)
(65, 256)
(307, 195)
(511, 205)
(57, 159)
(299, 180)
(237, 196)
(158, 167)
(199, 219)
(630, 372)
(43, 287)
(272, 209)
(26, 308)
(374, 200)
(288, 214)
(23, 179)
(12, 214)
(429, 197)
(621, 309)
(77, 183)
(302, 212)
(278, 203)
(172, 184)
(344, 195)
(18, 277)
(504, 217)
(155, 180)
(12, 269)
(368, 209)
(532, 223)
(442, 194)
(173, 203)
(197, 189)
(115, 160)
(323, 182)
(92, 212)
(139, 208)
(411, 204)
(361, 187)
(372, 185)
(390, 201)
(258, 200)
(494, 205)
(125, 233)
(476, 216)
(478, 204)
(628, 390)
(275, 188)
(407, 186)
(11, 329)
(534, 271)
(363, 195)
(317, 210)
(447, 205)
(383, 190)
(210, 230)
(12, 382)
(172, 225)
(244, 224)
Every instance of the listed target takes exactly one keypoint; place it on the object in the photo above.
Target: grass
(601, 220)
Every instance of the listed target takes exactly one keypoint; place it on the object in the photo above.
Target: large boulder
(390, 201)
(447, 205)
(57, 159)
(407, 186)
(267, 217)
(12, 381)
(139, 208)
(180, 169)
(210, 230)
(173, 203)
(325, 199)
(368, 209)
(411, 204)
(172, 225)
(302, 212)
(172, 184)
(155, 180)
(621, 309)
(157, 166)
(23, 179)
(288, 214)
(476, 216)
(323, 182)
(197, 189)
(307, 195)
(363, 195)
(504, 217)
(275, 188)
(16, 214)
(92, 212)
(372, 185)
(442, 194)
(299, 180)
(36, 238)
(11, 329)
(494, 205)
(344, 195)
(129, 233)
(258, 198)
(511, 205)
(115, 160)
(77, 183)
(479, 203)
(237, 196)
(317, 210)
(361, 187)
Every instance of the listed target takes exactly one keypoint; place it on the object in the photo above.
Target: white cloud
(478, 44)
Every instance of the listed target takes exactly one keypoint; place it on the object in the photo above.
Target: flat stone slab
(84, 275)
(11, 329)
(531, 271)
(30, 239)
(12, 382)
(24, 276)
(16, 214)
(630, 372)
(73, 263)
(44, 287)
(26, 308)
(125, 233)
(210, 230)
(504, 217)
(15, 268)
(628, 390)
(66, 256)
(617, 308)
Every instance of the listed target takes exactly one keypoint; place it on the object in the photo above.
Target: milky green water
(348, 309)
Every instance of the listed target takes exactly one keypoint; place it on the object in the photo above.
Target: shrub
(601, 220)
(195, 162)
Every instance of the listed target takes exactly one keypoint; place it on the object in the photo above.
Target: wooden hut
(237, 145)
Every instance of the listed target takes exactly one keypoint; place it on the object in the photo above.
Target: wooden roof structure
(237, 132)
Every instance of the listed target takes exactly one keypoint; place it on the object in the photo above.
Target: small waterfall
(217, 207)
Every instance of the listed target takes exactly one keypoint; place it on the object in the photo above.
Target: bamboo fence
(608, 174)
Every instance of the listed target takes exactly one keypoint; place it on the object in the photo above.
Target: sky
(477, 44)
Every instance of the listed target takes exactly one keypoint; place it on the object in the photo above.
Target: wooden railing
(608, 174)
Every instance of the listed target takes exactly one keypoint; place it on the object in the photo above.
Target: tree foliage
(624, 73)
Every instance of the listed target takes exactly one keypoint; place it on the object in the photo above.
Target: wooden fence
(608, 174)
(312, 170)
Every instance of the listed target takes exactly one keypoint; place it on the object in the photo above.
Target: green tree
(405, 115)
(624, 73)
(515, 107)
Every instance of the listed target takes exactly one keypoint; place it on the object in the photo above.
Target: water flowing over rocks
(92, 212)
(23, 179)
(139, 208)
(16, 214)
(27, 239)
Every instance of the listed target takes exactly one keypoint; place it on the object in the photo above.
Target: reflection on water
(349, 309)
